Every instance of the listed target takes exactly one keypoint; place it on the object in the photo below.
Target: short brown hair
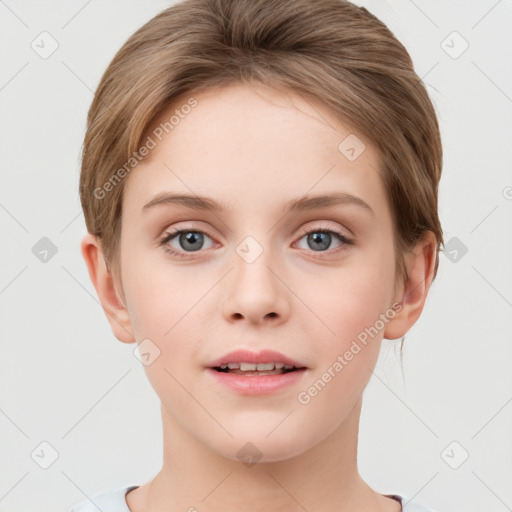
(330, 49)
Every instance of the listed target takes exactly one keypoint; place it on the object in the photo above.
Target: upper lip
(247, 356)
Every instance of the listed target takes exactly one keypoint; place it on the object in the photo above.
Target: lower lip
(257, 385)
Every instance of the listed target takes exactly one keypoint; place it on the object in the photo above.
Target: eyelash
(169, 236)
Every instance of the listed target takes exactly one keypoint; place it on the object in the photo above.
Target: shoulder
(411, 506)
(109, 501)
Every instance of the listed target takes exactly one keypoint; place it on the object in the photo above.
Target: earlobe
(104, 283)
(420, 264)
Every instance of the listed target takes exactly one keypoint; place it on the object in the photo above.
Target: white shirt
(115, 501)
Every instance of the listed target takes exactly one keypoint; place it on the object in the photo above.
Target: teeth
(247, 367)
(265, 366)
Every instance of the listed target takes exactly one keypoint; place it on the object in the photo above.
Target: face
(254, 274)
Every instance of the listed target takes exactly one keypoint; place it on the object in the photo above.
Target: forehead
(242, 143)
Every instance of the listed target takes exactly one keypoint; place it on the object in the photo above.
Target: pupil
(190, 237)
(320, 237)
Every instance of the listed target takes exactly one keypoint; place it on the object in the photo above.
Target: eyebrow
(297, 204)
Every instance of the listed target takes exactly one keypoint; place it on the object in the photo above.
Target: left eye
(321, 239)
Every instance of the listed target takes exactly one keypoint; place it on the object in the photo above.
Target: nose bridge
(256, 291)
(254, 257)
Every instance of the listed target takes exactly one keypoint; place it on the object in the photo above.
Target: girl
(292, 143)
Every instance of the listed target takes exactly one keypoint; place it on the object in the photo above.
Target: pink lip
(246, 356)
(257, 384)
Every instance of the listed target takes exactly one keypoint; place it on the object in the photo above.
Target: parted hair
(332, 50)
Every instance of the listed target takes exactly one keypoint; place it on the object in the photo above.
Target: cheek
(155, 291)
(347, 328)
(166, 305)
(344, 358)
(348, 299)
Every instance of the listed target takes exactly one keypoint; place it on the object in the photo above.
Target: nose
(257, 292)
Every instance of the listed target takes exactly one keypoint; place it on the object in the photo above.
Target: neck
(195, 477)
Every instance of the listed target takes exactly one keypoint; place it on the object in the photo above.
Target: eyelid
(319, 227)
(171, 231)
(305, 230)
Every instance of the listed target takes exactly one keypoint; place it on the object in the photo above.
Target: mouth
(256, 373)
(257, 369)
(255, 364)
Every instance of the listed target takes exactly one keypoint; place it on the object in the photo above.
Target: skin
(253, 149)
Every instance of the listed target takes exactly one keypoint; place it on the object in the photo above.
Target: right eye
(190, 239)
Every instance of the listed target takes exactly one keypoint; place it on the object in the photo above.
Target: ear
(105, 286)
(420, 264)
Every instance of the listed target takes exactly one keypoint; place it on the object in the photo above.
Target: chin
(256, 448)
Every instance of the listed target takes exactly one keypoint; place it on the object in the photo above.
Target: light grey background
(67, 381)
